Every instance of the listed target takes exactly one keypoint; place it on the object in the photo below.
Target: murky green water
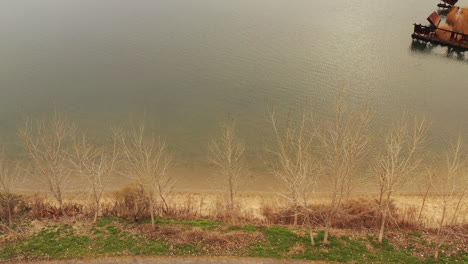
(188, 64)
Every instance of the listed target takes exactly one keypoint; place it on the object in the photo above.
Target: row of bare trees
(337, 151)
(59, 153)
(330, 150)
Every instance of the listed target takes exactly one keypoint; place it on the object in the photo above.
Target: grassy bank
(38, 240)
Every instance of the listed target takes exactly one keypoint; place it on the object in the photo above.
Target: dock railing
(430, 31)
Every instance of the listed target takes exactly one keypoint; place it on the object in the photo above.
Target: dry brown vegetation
(357, 217)
(209, 240)
(361, 213)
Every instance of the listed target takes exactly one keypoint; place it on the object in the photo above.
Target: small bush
(130, 204)
(39, 208)
(11, 206)
(42, 209)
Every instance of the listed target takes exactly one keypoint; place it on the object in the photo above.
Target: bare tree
(398, 162)
(227, 153)
(148, 160)
(11, 178)
(451, 187)
(48, 143)
(343, 140)
(293, 162)
(96, 165)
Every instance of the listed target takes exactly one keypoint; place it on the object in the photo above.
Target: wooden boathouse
(428, 34)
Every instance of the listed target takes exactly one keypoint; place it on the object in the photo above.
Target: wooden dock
(457, 41)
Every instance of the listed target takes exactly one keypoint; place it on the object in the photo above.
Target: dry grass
(360, 213)
(207, 240)
(353, 214)
(184, 230)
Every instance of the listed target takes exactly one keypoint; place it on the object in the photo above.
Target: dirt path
(183, 260)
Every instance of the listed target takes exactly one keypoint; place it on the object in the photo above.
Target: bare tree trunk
(311, 233)
(424, 198)
(327, 233)
(382, 225)
(153, 224)
(231, 198)
(166, 206)
(295, 214)
(381, 194)
(135, 210)
(442, 218)
(10, 220)
(96, 213)
(437, 248)
(325, 236)
(60, 202)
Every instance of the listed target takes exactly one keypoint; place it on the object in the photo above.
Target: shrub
(39, 208)
(130, 203)
(11, 206)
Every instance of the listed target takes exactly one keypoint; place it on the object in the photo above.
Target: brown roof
(434, 19)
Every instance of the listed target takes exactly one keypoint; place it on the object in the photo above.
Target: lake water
(185, 65)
